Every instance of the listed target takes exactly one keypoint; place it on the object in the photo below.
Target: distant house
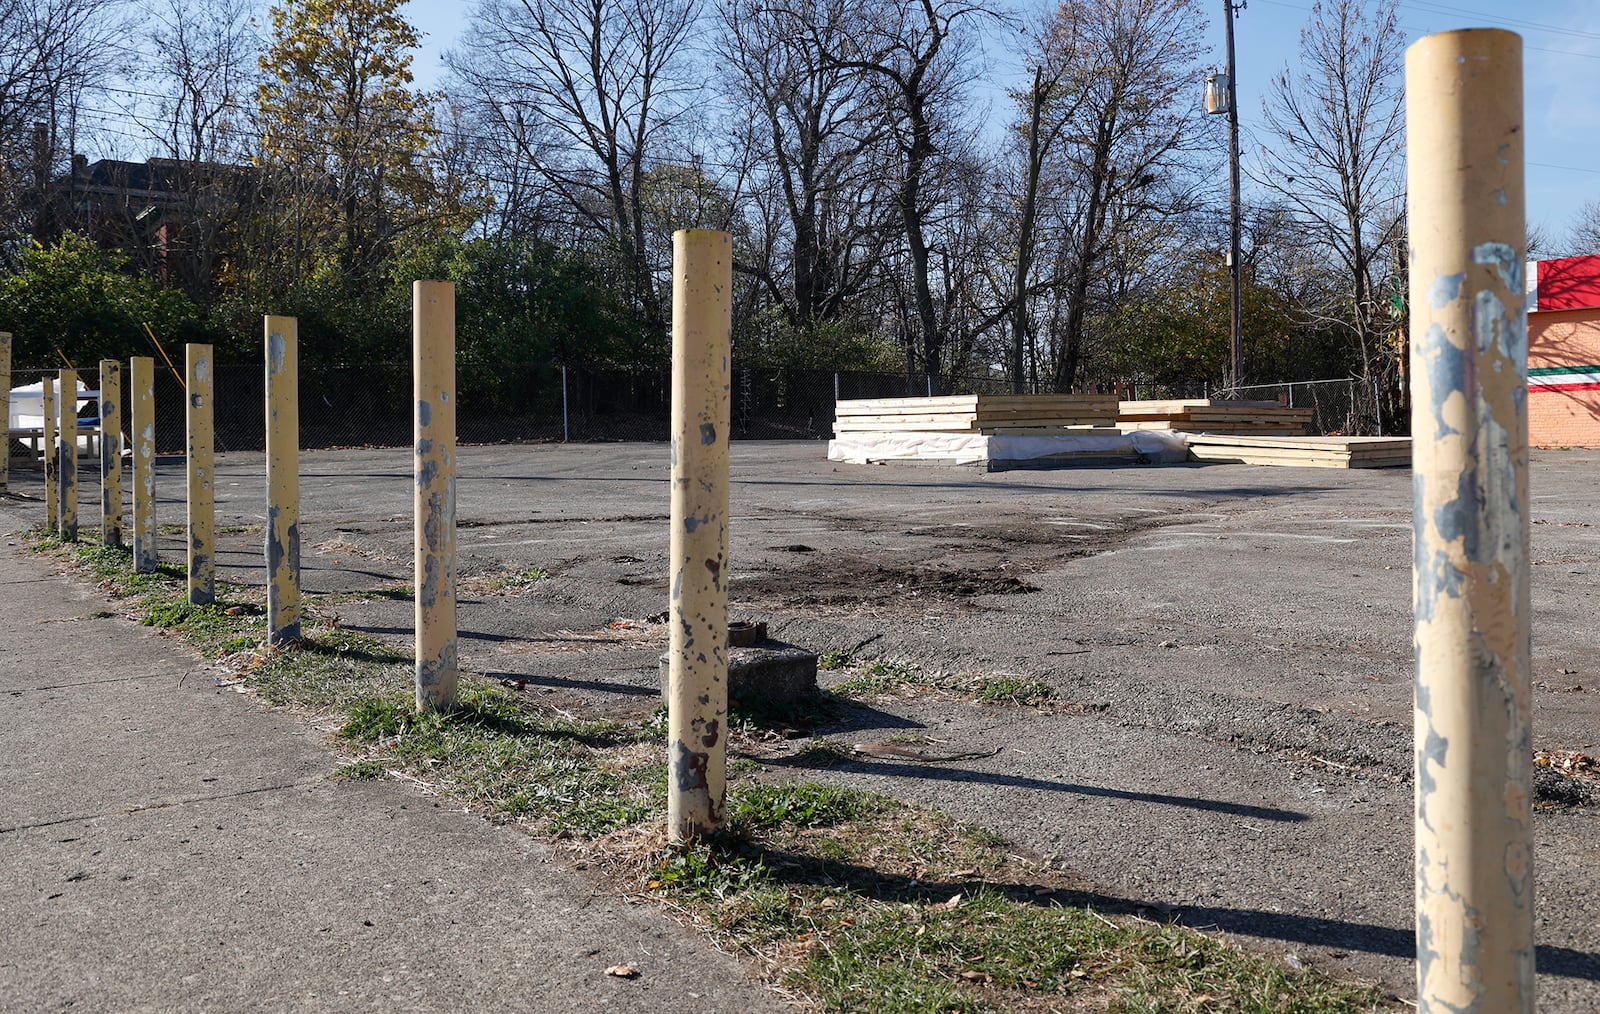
(167, 215)
(1564, 352)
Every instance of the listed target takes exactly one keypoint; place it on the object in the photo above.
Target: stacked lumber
(1303, 452)
(978, 413)
(1203, 415)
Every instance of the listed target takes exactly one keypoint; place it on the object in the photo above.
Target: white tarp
(1155, 446)
(27, 403)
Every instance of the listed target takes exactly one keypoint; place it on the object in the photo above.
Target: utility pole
(1236, 319)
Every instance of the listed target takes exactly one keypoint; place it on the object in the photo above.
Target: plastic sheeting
(1152, 446)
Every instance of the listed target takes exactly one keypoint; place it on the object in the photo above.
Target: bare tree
(51, 56)
(815, 141)
(584, 95)
(1120, 140)
(1337, 121)
(1583, 236)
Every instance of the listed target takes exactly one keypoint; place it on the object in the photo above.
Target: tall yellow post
(283, 480)
(110, 452)
(202, 512)
(142, 427)
(67, 455)
(433, 318)
(1469, 367)
(697, 699)
(5, 409)
(52, 494)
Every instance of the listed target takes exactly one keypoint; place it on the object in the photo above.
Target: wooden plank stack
(978, 413)
(1202, 415)
(1304, 452)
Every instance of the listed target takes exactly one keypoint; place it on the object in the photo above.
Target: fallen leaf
(623, 971)
(973, 975)
(955, 899)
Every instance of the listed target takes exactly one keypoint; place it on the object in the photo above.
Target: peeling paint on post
(697, 701)
(67, 455)
(52, 495)
(202, 514)
(283, 480)
(142, 426)
(5, 409)
(1474, 869)
(433, 321)
(110, 452)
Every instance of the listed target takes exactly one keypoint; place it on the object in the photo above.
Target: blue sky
(1561, 59)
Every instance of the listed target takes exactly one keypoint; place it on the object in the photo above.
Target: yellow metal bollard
(67, 455)
(202, 514)
(434, 354)
(52, 495)
(1469, 365)
(5, 409)
(283, 480)
(697, 701)
(142, 427)
(110, 452)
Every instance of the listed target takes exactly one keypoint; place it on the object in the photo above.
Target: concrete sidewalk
(166, 844)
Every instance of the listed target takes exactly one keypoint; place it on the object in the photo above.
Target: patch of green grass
(806, 804)
(385, 592)
(239, 530)
(880, 677)
(332, 667)
(521, 578)
(563, 775)
(220, 628)
(1011, 690)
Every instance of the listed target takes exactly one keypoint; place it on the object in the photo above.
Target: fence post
(433, 321)
(202, 511)
(52, 494)
(110, 452)
(142, 428)
(283, 480)
(1473, 732)
(566, 427)
(5, 409)
(67, 455)
(697, 701)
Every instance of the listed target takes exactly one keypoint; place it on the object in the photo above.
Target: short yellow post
(67, 455)
(1469, 368)
(110, 452)
(202, 511)
(697, 700)
(52, 494)
(283, 480)
(142, 427)
(433, 319)
(5, 409)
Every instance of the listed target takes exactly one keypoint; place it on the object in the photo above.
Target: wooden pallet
(1303, 452)
(1200, 415)
(975, 413)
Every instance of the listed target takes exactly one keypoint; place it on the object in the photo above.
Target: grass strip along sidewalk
(846, 900)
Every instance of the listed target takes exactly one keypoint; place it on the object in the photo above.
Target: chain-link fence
(1347, 407)
(355, 406)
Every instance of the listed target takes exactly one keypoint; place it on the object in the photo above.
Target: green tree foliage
(1176, 332)
(77, 298)
(353, 146)
(527, 300)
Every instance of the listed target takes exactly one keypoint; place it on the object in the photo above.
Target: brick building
(1564, 352)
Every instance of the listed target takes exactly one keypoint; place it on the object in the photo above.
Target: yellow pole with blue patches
(697, 699)
(110, 452)
(67, 455)
(52, 494)
(283, 480)
(142, 427)
(202, 509)
(5, 409)
(1469, 422)
(434, 379)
